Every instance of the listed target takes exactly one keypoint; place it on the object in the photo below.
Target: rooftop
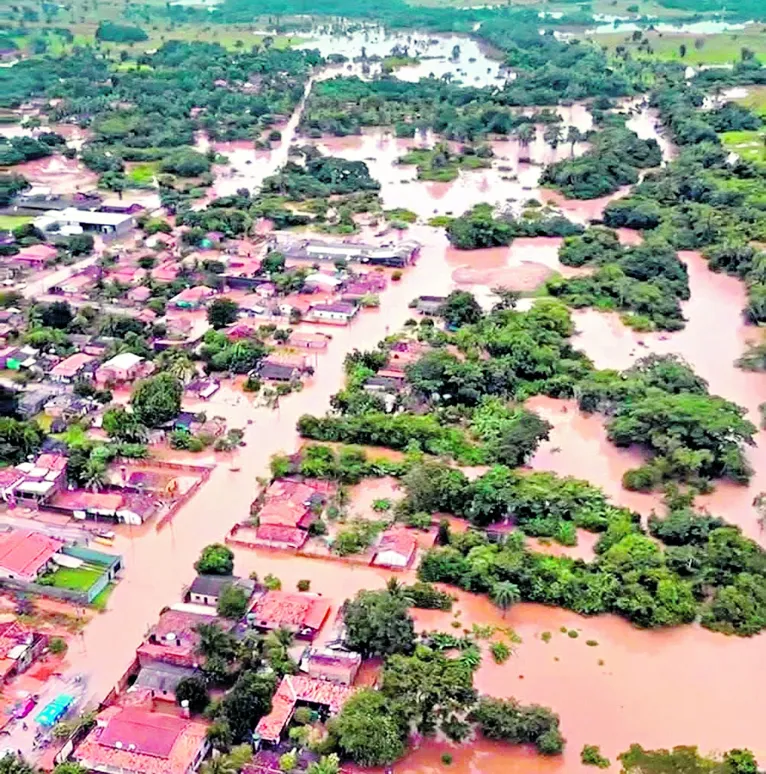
(25, 553)
(123, 361)
(133, 739)
(283, 608)
(72, 365)
(295, 689)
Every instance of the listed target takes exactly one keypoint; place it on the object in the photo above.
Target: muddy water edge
(685, 686)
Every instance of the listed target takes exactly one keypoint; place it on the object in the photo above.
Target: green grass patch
(100, 602)
(755, 99)
(77, 579)
(9, 222)
(749, 145)
(721, 48)
(142, 174)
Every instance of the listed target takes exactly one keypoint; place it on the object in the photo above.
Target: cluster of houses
(143, 730)
(129, 497)
(285, 512)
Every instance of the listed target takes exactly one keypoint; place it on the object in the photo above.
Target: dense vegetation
(150, 112)
(613, 160)
(706, 570)
(482, 227)
(647, 281)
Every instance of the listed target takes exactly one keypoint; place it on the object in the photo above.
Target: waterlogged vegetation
(613, 160)
(443, 165)
(646, 282)
(659, 404)
(484, 226)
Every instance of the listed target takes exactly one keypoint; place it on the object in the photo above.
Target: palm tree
(398, 590)
(505, 594)
(220, 764)
(94, 475)
(281, 637)
(214, 641)
(181, 367)
(327, 764)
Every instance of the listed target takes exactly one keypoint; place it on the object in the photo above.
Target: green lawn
(142, 174)
(79, 579)
(9, 222)
(101, 600)
(749, 145)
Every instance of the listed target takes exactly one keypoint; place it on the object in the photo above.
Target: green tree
(367, 731)
(460, 308)
(379, 624)
(232, 602)
(327, 764)
(124, 425)
(14, 764)
(222, 312)
(215, 559)
(157, 400)
(193, 690)
(247, 702)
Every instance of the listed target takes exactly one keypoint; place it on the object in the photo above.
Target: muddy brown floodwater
(683, 686)
(657, 688)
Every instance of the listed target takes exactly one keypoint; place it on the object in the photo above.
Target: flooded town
(382, 388)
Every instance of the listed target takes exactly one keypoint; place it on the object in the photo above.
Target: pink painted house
(122, 368)
(35, 256)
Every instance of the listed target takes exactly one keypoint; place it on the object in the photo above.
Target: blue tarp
(51, 713)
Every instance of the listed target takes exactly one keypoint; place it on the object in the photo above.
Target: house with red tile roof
(35, 256)
(299, 690)
(135, 740)
(25, 555)
(306, 340)
(72, 368)
(139, 295)
(396, 549)
(278, 536)
(303, 614)
(166, 272)
(174, 639)
(192, 298)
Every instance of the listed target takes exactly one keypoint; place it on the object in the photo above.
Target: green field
(755, 99)
(142, 174)
(77, 579)
(9, 222)
(722, 48)
(749, 145)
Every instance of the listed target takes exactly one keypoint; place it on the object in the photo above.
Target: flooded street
(661, 688)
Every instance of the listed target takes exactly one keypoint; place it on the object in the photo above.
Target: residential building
(35, 257)
(32, 401)
(19, 647)
(206, 589)
(429, 305)
(334, 312)
(192, 298)
(174, 639)
(303, 614)
(139, 295)
(277, 372)
(278, 536)
(25, 555)
(134, 740)
(314, 341)
(161, 680)
(74, 367)
(43, 478)
(396, 549)
(298, 690)
(122, 368)
(337, 666)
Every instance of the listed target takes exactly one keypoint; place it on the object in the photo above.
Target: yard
(76, 579)
(9, 222)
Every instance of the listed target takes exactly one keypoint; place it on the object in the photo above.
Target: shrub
(57, 646)
(591, 756)
(304, 585)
